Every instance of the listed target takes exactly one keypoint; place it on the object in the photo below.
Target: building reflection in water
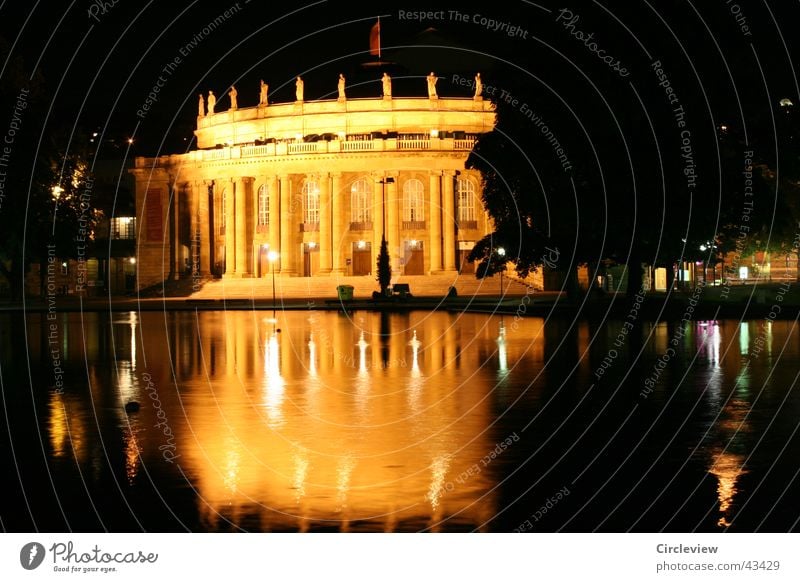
(356, 428)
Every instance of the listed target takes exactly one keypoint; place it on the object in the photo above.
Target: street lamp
(272, 257)
(501, 252)
(383, 182)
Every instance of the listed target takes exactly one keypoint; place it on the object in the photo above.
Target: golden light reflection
(727, 468)
(273, 382)
(300, 474)
(362, 354)
(132, 452)
(415, 345)
(502, 350)
(370, 447)
(66, 428)
(312, 356)
(439, 467)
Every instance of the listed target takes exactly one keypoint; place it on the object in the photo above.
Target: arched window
(359, 202)
(263, 206)
(311, 202)
(413, 208)
(466, 201)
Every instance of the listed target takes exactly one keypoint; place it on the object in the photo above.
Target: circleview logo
(31, 555)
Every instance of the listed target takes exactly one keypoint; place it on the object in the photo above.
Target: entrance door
(465, 266)
(362, 258)
(414, 258)
(310, 259)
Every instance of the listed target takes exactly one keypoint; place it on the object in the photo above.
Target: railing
(303, 148)
(413, 225)
(413, 144)
(261, 150)
(221, 154)
(358, 146)
(324, 147)
(309, 226)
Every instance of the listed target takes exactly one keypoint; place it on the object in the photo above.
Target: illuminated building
(319, 183)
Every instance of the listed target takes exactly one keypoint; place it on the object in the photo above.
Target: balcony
(309, 226)
(360, 226)
(413, 225)
(467, 225)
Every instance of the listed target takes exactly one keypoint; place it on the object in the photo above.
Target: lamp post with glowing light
(272, 257)
(501, 252)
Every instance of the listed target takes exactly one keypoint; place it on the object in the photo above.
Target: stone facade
(309, 188)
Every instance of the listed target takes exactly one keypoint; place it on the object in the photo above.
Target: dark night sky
(99, 70)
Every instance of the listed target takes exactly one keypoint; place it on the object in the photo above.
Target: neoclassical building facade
(310, 188)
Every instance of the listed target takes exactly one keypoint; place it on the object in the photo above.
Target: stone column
(393, 223)
(176, 267)
(243, 185)
(227, 186)
(287, 228)
(337, 210)
(205, 241)
(325, 256)
(435, 218)
(274, 219)
(449, 221)
(193, 191)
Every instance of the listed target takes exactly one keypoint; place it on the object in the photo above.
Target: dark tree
(384, 277)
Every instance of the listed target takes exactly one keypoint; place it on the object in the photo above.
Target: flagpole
(379, 38)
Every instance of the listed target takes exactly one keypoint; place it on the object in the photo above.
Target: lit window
(466, 201)
(263, 206)
(413, 209)
(123, 227)
(311, 202)
(359, 202)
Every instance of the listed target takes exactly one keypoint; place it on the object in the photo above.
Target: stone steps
(325, 287)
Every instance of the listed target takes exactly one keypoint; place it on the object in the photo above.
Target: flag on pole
(375, 39)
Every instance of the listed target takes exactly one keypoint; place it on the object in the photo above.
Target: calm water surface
(325, 421)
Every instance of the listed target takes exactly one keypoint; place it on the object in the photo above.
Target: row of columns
(285, 216)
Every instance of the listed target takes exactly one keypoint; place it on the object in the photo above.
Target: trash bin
(345, 292)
